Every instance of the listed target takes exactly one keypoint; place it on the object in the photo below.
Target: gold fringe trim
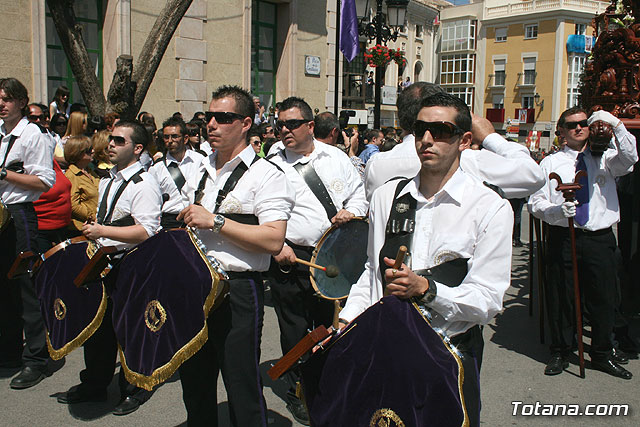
(82, 336)
(465, 422)
(166, 371)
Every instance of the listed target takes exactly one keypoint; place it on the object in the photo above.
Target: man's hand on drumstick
(197, 216)
(342, 217)
(403, 282)
(286, 256)
(92, 230)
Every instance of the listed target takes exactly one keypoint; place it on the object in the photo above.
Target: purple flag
(349, 44)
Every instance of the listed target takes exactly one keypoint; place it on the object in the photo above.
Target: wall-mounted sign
(389, 95)
(312, 65)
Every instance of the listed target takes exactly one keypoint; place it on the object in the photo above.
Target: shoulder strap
(400, 226)
(135, 178)
(308, 173)
(12, 139)
(495, 188)
(228, 187)
(176, 174)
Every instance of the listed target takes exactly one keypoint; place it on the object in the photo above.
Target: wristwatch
(218, 222)
(3, 173)
(429, 295)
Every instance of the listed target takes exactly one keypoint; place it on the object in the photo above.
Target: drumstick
(330, 271)
(402, 251)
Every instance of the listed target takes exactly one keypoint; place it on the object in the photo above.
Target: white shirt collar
(17, 131)
(454, 188)
(127, 172)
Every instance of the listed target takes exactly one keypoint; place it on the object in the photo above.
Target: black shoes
(127, 406)
(619, 356)
(28, 377)
(556, 365)
(297, 409)
(73, 396)
(612, 368)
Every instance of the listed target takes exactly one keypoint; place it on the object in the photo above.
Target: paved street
(512, 371)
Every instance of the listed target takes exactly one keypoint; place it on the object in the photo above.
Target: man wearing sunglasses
(128, 213)
(340, 198)
(173, 171)
(595, 211)
(242, 204)
(456, 219)
(504, 164)
(26, 171)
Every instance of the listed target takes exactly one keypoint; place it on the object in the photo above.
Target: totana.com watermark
(569, 409)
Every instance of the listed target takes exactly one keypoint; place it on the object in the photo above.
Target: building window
(456, 69)
(581, 29)
(464, 93)
(529, 77)
(499, 76)
(418, 51)
(418, 31)
(89, 17)
(498, 101)
(531, 31)
(501, 34)
(458, 35)
(576, 65)
(356, 82)
(527, 101)
(263, 51)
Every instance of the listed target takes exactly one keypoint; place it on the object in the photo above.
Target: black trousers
(233, 347)
(597, 278)
(297, 308)
(20, 311)
(100, 352)
(471, 346)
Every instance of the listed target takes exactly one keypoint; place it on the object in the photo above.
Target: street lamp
(376, 27)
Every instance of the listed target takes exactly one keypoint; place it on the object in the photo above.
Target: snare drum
(163, 292)
(344, 247)
(71, 315)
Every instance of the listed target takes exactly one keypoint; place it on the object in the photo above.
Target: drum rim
(315, 254)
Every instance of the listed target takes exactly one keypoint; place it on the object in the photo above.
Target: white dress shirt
(189, 166)
(465, 219)
(263, 191)
(341, 179)
(604, 210)
(34, 149)
(503, 163)
(141, 200)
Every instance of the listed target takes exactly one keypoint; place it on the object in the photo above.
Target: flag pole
(336, 85)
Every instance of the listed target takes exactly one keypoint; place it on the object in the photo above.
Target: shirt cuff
(492, 141)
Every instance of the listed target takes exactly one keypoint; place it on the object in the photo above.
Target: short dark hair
(244, 101)
(139, 134)
(462, 119)
(254, 131)
(15, 90)
(300, 104)
(44, 108)
(177, 122)
(409, 101)
(369, 134)
(570, 112)
(324, 124)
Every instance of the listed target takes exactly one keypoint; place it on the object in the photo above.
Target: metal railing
(537, 6)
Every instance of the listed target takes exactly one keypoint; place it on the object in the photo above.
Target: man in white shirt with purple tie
(595, 211)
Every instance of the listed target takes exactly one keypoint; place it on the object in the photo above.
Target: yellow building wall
(15, 42)
(543, 46)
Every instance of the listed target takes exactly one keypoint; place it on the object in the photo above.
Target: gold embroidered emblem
(155, 316)
(59, 309)
(402, 207)
(231, 205)
(600, 180)
(385, 418)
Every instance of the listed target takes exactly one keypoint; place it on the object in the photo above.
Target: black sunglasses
(194, 132)
(438, 130)
(573, 125)
(222, 117)
(117, 140)
(59, 124)
(292, 124)
(35, 117)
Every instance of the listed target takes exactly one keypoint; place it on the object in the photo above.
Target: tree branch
(155, 47)
(70, 33)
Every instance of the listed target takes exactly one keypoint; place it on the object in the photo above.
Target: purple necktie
(582, 195)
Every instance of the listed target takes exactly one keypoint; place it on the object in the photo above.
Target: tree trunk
(130, 84)
(70, 33)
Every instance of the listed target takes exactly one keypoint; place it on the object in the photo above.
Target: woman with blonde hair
(76, 126)
(78, 152)
(101, 164)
